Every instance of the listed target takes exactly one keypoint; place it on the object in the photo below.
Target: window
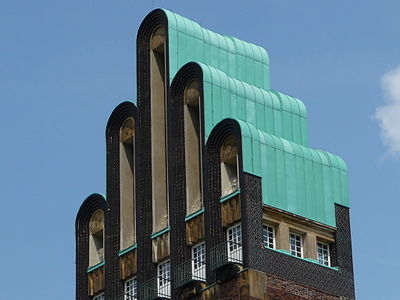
(164, 279)
(269, 236)
(296, 245)
(229, 166)
(323, 254)
(234, 238)
(130, 289)
(199, 262)
(99, 297)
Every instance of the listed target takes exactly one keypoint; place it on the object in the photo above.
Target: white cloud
(388, 115)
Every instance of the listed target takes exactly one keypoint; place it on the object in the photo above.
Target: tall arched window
(158, 92)
(96, 238)
(192, 127)
(229, 166)
(127, 186)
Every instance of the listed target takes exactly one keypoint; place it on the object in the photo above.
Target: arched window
(192, 128)
(96, 238)
(127, 186)
(229, 166)
(158, 92)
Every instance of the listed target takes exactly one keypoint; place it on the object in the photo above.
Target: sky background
(64, 66)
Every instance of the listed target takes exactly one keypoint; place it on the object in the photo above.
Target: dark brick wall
(340, 283)
(146, 268)
(115, 288)
(88, 207)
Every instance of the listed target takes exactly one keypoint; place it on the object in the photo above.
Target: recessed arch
(158, 95)
(96, 238)
(127, 183)
(193, 145)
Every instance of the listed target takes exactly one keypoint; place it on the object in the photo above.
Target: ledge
(231, 195)
(161, 232)
(92, 268)
(129, 249)
(283, 251)
(195, 214)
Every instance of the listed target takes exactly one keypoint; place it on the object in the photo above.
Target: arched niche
(127, 183)
(229, 166)
(193, 142)
(158, 90)
(96, 238)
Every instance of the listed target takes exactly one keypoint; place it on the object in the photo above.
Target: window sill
(229, 196)
(305, 259)
(129, 249)
(161, 232)
(92, 268)
(193, 215)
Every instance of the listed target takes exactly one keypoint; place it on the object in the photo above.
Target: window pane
(269, 236)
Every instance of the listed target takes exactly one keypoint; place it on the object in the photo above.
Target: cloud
(388, 115)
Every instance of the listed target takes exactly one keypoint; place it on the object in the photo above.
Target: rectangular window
(323, 254)
(269, 236)
(130, 289)
(296, 245)
(164, 279)
(199, 262)
(99, 297)
(234, 238)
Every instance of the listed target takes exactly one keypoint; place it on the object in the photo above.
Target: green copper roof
(267, 110)
(188, 42)
(295, 178)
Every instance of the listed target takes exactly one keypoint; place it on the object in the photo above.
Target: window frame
(199, 266)
(235, 244)
(267, 237)
(328, 250)
(295, 252)
(164, 279)
(130, 289)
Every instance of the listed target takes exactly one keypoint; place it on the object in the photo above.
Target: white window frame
(322, 260)
(267, 237)
(234, 243)
(164, 279)
(130, 289)
(199, 262)
(298, 250)
(99, 297)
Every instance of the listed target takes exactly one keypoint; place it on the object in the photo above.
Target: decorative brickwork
(147, 269)
(123, 111)
(89, 206)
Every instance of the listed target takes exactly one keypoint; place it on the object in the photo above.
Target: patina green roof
(303, 181)
(295, 178)
(188, 42)
(267, 110)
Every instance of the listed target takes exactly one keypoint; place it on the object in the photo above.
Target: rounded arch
(190, 72)
(187, 107)
(122, 112)
(91, 204)
(120, 142)
(224, 147)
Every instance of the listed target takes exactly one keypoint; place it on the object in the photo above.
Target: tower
(212, 189)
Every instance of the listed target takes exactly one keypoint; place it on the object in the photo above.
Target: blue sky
(64, 66)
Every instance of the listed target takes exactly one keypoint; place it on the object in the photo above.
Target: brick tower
(212, 189)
